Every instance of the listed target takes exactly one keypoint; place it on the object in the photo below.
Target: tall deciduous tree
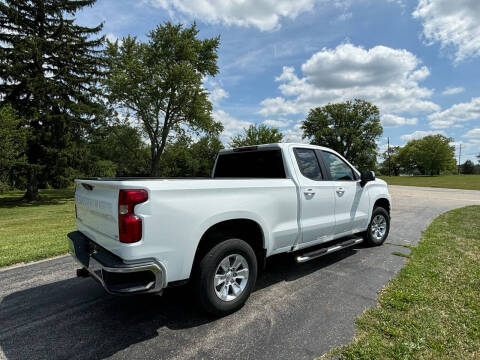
(205, 152)
(187, 158)
(429, 155)
(48, 68)
(468, 167)
(257, 135)
(350, 128)
(122, 145)
(160, 82)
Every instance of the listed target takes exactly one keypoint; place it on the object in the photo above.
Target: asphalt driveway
(297, 310)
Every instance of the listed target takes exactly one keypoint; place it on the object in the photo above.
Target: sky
(417, 60)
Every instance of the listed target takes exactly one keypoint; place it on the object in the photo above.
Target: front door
(351, 199)
(317, 202)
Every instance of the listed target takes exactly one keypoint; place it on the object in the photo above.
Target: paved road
(297, 311)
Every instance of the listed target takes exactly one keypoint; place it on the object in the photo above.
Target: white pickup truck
(140, 235)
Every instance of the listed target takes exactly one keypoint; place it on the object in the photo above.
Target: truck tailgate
(97, 210)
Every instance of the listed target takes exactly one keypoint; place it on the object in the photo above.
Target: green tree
(350, 128)
(409, 160)
(48, 68)
(205, 152)
(429, 155)
(187, 158)
(256, 135)
(391, 162)
(468, 167)
(123, 146)
(12, 144)
(177, 159)
(160, 82)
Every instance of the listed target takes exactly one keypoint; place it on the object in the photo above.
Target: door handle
(309, 192)
(340, 190)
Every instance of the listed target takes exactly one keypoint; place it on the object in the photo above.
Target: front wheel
(378, 228)
(226, 276)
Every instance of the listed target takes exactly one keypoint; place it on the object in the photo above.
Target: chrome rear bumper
(117, 276)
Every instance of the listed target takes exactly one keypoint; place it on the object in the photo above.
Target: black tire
(370, 239)
(204, 279)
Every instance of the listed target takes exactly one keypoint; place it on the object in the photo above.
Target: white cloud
(457, 113)
(453, 90)
(390, 120)
(294, 134)
(277, 123)
(387, 77)
(231, 125)
(419, 134)
(263, 14)
(344, 6)
(245, 60)
(473, 133)
(278, 105)
(398, 2)
(451, 23)
(345, 16)
(470, 149)
(383, 147)
(112, 38)
(217, 94)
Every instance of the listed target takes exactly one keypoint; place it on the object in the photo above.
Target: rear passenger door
(317, 215)
(351, 199)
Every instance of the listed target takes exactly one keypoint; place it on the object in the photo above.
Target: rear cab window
(251, 164)
(308, 163)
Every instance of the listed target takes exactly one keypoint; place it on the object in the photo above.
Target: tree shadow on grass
(13, 199)
(74, 318)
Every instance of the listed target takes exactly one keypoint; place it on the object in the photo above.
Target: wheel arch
(382, 202)
(245, 229)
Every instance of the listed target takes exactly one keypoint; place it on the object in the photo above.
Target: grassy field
(468, 182)
(35, 231)
(431, 309)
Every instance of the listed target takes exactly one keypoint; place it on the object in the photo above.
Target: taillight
(129, 224)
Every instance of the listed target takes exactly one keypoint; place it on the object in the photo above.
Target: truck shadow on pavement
(74, 318)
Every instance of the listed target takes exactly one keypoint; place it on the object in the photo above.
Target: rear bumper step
(328, 250)
(117, 276)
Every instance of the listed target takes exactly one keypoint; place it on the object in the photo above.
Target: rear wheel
(378, 228)
(226, 276)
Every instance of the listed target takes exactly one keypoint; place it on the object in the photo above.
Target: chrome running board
(328, 250)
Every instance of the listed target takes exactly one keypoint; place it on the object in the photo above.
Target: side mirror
(367, 176)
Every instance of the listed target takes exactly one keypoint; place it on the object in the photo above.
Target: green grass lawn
(35, 231)
(431, 309)
(468, 182)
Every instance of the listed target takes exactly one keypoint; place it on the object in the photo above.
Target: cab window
(251, 164)
(308, 163)
(339, 169)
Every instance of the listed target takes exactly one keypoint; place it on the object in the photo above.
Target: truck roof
(273, 145)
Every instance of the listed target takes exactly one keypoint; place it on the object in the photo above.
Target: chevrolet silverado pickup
(140, 235)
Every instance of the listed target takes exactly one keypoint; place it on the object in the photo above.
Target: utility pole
(388, 154)
(459, 157)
